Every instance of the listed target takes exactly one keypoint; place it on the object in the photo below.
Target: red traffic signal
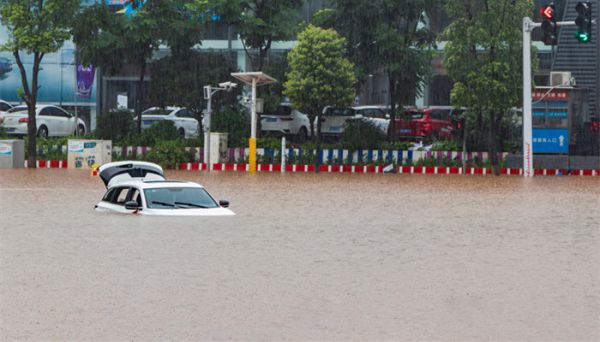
(547, 12)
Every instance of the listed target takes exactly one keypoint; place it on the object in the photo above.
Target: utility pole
(528, 26)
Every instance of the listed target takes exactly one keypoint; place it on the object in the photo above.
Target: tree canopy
(483, 57)
(260, 23)
(36, 28)
(320, 74)
(389, 36)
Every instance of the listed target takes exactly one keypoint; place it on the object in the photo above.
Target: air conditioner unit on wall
(558, 78)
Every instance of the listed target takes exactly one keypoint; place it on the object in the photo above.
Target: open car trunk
(114, 173)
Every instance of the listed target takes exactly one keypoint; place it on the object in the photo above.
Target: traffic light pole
(528, 26)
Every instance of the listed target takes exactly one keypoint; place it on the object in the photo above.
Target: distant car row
(51, 121)
(431, 123)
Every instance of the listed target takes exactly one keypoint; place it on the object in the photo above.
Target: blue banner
(550, 140)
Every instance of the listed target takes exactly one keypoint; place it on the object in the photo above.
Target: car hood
(188, 212)
(114, 173)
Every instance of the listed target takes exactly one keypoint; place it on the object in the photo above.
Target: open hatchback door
(114, 173)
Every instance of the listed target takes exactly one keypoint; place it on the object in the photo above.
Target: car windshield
(339, 111)
(18, 109)
(283, 110)
(157, 111)
(178, 198)
(416, 115)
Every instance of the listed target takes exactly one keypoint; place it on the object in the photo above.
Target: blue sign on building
(551, 140)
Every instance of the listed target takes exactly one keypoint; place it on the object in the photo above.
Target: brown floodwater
(308, 257)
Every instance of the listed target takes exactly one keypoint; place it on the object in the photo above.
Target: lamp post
(254, 79)
(209, 91)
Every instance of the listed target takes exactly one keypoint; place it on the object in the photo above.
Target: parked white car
(286, 121)
(334, 121)
(375, 115)
(4, 108)
(51, 121)
(134, 187)
(183, 119)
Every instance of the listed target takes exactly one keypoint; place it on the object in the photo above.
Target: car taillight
(23, 120)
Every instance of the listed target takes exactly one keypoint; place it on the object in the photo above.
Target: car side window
(135, 196)
(108, 195)
(120, 196)
(182, 113)
(46, 112)
(4, 106)
(61, 113)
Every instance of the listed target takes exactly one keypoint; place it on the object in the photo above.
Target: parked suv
(431, 123)
(286, 121)
(333, 121)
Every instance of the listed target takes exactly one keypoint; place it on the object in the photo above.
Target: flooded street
(308, 257)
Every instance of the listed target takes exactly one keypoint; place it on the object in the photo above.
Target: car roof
(369, 107)
(139, 183)
(169, 108)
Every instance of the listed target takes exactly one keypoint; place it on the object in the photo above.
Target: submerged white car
(135, 187)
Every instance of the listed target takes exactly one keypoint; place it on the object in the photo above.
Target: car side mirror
(224, 204)
(132, 205)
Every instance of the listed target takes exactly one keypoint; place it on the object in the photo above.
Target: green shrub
(161, 131)
(362, 134)
(446, 145)
(168, 153)
(115, 125)
(234, 122)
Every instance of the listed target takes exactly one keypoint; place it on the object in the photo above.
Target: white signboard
(75, 146)
(6, 149)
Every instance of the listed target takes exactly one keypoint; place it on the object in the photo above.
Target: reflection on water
(307, 257)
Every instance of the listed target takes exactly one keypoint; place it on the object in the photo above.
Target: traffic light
(549, 24)
(584, 21)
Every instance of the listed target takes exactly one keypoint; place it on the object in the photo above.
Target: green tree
(390, 36)
(319, 74)
(483, 57)
(109, 40)
(179, 79)
(35, 28)
(260, 23)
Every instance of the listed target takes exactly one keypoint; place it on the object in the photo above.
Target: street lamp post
(209, 91)
(254, 79)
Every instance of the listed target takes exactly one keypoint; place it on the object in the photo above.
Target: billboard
(60, 80)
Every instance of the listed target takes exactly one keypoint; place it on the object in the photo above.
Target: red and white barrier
(305, 168)
(426, 170)
(50, 164)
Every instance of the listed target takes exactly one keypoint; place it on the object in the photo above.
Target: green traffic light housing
(584, 21)
(583, 37)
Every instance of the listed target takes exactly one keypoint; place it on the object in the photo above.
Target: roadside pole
(254, 79)
(283, 154)
(528, 26)
(252, 141)
(206, 126)
(209, 91)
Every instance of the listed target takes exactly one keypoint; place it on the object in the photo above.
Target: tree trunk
(30, 98)
(392, 89)
(492, 144)
(140, 96)
(318, 152)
